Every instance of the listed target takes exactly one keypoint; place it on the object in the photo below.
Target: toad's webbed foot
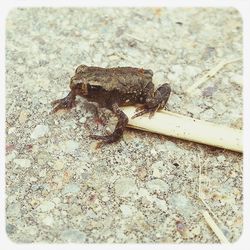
(120, 126)
(67, 102)
(158, 101)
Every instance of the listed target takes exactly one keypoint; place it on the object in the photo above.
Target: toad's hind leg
(67, 102)
(155, 102)
(120, 126)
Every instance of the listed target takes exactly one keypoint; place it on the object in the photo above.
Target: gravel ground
(145, 188)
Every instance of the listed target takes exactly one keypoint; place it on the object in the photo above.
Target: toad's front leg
(67, 102)
(155, 102)
(120, 126)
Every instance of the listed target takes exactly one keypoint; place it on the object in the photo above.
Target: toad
(112, 88)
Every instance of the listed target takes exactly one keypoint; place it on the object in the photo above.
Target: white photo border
(244, 8)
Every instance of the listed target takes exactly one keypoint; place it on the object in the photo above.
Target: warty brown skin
(114, 87)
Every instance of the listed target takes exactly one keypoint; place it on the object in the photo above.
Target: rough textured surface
(145, 187)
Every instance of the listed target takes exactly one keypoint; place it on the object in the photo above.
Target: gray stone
(11, 130)
(236, 78)
(182, 204)
(83, 120)
(71, 188)
(10, 229)
(157, 164)
(125, 186)
(39, 131)
(157, 185)
(157, 168)
(48, 220)
(69, 146)
(58, 165)
(46, 206)
(221, 158)
(127, 210)
(73, 235)
(24, 163)
(43, 173)
(14, 210)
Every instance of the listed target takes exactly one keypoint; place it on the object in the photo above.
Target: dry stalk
(183, 127)
(206, 215)
(210, 74)
(214, 227)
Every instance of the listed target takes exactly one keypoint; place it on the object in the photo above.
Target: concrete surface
(145, 188)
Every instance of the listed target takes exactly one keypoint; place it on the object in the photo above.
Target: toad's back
(124, 79)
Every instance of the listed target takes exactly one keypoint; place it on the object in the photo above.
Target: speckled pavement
(145, 188)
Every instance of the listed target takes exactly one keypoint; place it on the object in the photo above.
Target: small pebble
(124, 186)
(182, 228)
(105, 198)
(23, 116)
(34, 203)
(73, 235)
(46, 206)
(58, 165)
(24, 163)
(110, 240)
(157, 164)
(14, 210)
(153, 151)
(209, 91)
(142, 173)
(69, 146)
(143, 192)
(167, 146)
(182, 204)
(75, 209)
(127, 210)
(157, 185)
(114, 58)
(161, 204)
(157, 168)
(56, 200)
(42, 173)
(33, 179)
(9, 157)
(48, 220)
(10, 229)
(11, 130)
(221, 158)
(71, 188)
(82, 120)
(39, 131)
(196, 230)
(156, 173)
(238, 79)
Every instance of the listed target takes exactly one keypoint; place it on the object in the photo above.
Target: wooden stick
(214, 227)
(209, 74)
(172, 124)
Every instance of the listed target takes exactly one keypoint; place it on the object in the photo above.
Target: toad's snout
(74, 82)
(79, 86)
